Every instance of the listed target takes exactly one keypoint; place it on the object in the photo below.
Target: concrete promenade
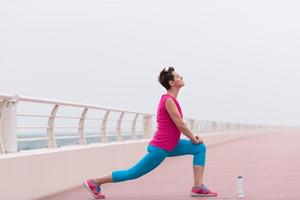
(269, 164)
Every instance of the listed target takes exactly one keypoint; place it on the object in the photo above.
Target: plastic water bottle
(240, 189)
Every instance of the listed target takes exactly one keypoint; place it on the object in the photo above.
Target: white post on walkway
(9, 124)
(147, 126)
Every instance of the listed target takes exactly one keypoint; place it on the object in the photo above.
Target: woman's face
(178, 80)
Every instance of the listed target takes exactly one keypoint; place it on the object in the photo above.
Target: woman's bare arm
(175, 115)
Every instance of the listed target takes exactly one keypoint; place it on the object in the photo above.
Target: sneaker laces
(205, 189)
(98, 189)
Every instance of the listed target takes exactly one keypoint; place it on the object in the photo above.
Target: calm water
(28, 145)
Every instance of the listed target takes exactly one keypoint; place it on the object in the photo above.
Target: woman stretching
(165, 143)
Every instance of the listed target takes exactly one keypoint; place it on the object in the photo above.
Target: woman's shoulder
(167, 96)
(164, 97)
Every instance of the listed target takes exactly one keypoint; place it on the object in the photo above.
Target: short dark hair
(165, 76)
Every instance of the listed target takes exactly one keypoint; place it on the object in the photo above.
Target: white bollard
(240, 189)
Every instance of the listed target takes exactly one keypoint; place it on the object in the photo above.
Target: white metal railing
(8, 123)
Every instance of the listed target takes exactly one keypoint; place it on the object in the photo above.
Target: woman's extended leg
(185, 147)
(150, 161)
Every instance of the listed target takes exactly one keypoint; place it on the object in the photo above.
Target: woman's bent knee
(200, 156)
(202, 147)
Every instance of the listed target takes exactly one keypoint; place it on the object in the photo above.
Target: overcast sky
(240, 59)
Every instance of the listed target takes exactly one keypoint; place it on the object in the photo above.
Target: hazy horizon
(240, 60)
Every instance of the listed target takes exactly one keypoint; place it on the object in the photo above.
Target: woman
(165, 143)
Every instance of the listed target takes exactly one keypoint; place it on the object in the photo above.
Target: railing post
(103, 127)
(118, 129)
(227, 126)
(147, 126)
(197, 127)
(206, 126)
(50, 130)
(192, 125)
(133, 129)
(82, 139)
(2, 150)
(9, 125)
(221, 126)
(213, 126)
(218, 126)
(201, 126)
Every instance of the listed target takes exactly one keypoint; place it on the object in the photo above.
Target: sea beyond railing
(33, 123)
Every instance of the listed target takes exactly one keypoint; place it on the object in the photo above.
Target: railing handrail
(65, 103)
(9, 114)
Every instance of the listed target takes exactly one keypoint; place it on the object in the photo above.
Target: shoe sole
(86, 185)
(203, 195)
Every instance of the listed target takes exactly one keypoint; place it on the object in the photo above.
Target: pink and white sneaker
(94, 189)
(202, 191)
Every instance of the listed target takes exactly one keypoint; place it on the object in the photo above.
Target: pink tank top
(167, 134)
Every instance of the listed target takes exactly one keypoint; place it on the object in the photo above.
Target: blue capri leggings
(156, 155)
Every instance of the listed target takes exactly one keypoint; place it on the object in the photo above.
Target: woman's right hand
(195, 140)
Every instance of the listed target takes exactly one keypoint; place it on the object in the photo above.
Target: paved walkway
(269, 164)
